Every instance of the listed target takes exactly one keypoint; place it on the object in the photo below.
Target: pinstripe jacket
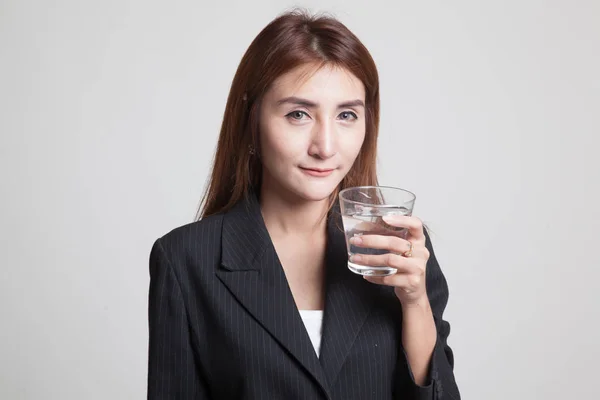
(223, 323)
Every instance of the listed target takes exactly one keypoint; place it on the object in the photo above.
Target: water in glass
(368, 220)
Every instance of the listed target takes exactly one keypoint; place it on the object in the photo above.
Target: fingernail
(356, 240)
(355, 257)
(392, 218)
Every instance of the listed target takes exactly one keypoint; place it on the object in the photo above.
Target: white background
(109, 115)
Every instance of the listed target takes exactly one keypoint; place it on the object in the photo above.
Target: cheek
(351, 147)
(278, 145)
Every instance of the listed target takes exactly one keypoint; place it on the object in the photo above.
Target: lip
(318, 172)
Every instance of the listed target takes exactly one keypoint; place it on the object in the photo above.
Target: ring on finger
(409, 252)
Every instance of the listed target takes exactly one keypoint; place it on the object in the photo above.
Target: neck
(285, 214)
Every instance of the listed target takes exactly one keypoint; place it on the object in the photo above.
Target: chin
(314, 192)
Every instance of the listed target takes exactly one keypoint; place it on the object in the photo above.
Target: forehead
(314, 82)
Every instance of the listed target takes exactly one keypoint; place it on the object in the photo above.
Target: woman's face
(312, 126)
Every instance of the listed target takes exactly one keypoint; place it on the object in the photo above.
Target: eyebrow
(311, 104)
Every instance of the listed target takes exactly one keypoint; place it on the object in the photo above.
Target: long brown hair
(292, 39)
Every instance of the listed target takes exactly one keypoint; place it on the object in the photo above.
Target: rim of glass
(414, 196)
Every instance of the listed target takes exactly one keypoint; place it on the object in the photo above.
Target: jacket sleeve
(172, 372)
(441, 384)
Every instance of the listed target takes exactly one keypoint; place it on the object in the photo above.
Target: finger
(400, 263)
(413, 224)
(391, 243)
(407, 282)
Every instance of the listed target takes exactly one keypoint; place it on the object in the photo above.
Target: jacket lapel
(254, 275)
(348, 301)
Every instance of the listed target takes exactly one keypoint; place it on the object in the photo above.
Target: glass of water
(362, 210)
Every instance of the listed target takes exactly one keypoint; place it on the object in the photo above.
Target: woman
(255, 300)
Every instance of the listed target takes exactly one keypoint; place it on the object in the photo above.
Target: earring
(251, 150)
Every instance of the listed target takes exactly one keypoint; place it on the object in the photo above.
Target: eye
(348, 116)
(297, 115)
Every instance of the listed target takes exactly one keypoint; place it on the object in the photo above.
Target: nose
(323, 143)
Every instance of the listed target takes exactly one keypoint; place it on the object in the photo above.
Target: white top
(313, 320)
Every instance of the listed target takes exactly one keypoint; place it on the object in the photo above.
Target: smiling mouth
(318, 169)
(317, 172)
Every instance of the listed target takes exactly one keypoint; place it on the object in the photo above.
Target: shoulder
(189, 239)
(186, 258)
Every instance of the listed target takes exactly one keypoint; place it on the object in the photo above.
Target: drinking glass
(362, 210)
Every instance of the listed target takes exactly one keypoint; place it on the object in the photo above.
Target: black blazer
(223, 323)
